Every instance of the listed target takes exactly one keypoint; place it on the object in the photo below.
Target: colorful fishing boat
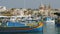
(19, 24)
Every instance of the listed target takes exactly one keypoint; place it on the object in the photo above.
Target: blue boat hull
(18, 27)
(32, 30)
(57, 23)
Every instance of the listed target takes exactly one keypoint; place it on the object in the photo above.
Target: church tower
(42, 6)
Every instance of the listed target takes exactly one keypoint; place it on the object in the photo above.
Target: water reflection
(58, 30)
(49, 29)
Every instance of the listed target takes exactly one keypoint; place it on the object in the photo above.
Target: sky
(29, 3)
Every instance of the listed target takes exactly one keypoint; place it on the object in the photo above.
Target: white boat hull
(51, 22)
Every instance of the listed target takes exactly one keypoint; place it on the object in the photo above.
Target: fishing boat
(57, 19)
(49, 20)
(20, 24)
(57, 22)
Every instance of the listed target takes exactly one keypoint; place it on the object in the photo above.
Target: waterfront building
(2, 8)
(43, 10)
